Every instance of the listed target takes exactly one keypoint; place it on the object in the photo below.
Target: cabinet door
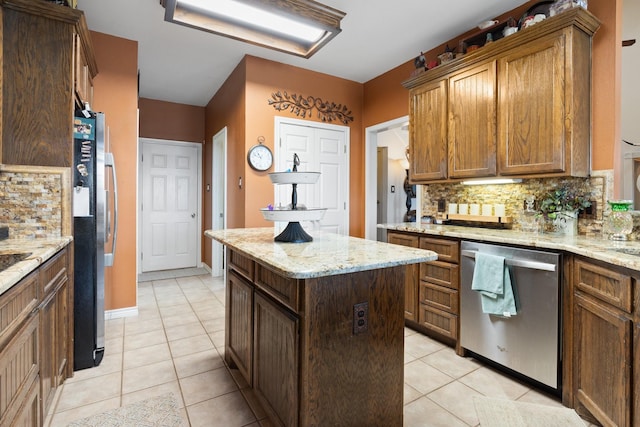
(29, 414)
(472, 122)
(602, 361)
(276, 360)
(532, 108)
(48, 352)
(239, 324)
(18, 373)
(428, 132)
(62, 332)
(411, 275)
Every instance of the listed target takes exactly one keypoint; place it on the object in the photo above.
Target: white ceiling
(183, 65)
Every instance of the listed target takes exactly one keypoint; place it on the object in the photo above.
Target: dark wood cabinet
(517, 107)
(472, 122)
(428, 131)
(432, 297)
(41, 42)
(411, 279)
(239, 339)
(35, 326)
(605, 320)
(275, 379)
(440, 288)
(544, 104)
(294, 342)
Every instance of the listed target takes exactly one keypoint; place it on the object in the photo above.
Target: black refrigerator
(94, 226)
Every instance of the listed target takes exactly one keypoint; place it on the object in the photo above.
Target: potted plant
(561, 206)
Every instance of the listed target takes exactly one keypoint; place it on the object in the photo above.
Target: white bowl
(294, 177)
(293, 215)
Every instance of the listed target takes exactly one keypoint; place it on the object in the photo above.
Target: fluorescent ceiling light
(492, 181)
(299, 27)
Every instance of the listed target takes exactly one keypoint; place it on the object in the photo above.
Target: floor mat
(508, 413)
(161, 411)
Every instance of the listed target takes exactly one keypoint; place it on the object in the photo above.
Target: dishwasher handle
(515, 262)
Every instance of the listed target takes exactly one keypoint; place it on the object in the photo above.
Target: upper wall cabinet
(43, 46)
(520, 106)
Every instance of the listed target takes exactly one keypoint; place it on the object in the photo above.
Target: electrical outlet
(360, 318)
(441, 205)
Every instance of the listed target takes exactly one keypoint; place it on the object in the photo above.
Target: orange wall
(242, 105)
(115, 94)
(267, 77)
(172, 121)
(226, 108)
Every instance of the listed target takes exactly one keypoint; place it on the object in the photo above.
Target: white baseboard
(121, 312)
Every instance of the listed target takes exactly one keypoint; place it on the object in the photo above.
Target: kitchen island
(317, 329)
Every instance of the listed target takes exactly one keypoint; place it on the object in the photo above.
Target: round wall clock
(260, 157)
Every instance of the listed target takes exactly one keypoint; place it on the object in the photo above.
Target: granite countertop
(624, 254)
(40, 249)
(328, 254)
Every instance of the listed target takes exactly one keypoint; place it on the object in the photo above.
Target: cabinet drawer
(241, 264)
(439, 297)
(53, 272)
(441, 273)
(403, 239)
(605, 284)
(16, 304)
(447, 250)
(439, 321)
(283, 289)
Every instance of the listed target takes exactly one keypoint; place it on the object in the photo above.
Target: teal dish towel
(492, 279)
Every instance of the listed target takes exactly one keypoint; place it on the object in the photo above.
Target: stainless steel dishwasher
(528, 343)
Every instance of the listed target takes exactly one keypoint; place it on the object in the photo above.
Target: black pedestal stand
(293, 233)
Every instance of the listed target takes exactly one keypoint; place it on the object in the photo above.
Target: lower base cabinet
(606, 385)
(275, 346)
(294, 342)
(432, 288)
(34, 342)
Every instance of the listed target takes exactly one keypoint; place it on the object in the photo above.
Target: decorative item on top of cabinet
(542, 125)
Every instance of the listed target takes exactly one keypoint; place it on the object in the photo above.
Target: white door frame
(278, 120)
(371, 173)
(218, 162)
(198, 147)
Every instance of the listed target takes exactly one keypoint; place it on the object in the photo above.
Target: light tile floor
(176, 343)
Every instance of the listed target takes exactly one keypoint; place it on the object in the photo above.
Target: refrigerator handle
(110, 163)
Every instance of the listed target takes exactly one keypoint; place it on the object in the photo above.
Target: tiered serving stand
(293, 232)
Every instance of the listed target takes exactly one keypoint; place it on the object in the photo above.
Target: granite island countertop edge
(329, 254)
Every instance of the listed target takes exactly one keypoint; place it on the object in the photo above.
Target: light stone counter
(41, 250)
(328, 254)
(589, 246)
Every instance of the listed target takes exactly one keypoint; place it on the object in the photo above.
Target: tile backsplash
(599, 185)
(34, 201)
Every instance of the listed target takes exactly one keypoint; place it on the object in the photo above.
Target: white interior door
(219, 199)
(170, 220)
(321, 148)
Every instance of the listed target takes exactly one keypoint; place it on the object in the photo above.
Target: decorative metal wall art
(303, 107)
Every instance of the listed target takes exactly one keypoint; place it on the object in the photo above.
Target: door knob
(193, 215)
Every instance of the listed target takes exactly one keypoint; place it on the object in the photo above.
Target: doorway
(321, 148)
(218, 199)
(389, 134)
(170, 204)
